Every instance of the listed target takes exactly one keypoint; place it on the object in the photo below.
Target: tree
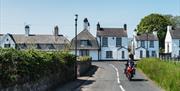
(154, 22)
(175, 20)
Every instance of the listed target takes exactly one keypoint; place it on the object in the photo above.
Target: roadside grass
(165, 73)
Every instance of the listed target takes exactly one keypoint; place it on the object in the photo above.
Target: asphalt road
(110, 77)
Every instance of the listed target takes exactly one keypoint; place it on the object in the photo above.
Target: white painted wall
(175, 48)
(92, 53)
(137, 53)
(6, 39)
(116, 54)
(168, 42)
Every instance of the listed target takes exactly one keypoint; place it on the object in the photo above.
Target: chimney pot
(125, 26)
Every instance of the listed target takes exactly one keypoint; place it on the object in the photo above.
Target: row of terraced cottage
(109, 43)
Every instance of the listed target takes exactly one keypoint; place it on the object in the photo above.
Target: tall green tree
(154, 22)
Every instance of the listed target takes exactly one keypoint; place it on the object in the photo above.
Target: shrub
(84, 58)
(18, 67)
(166, 74)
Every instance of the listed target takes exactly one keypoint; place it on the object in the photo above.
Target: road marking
(118, 80)
(121, 88)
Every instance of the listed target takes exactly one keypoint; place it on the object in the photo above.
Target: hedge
(18, 67)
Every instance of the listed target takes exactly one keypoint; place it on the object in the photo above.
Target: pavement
(109, 76)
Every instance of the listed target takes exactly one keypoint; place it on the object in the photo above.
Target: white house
(172, 41)
(86, 43)
(113, 43)
(25, 41)
(145, 45)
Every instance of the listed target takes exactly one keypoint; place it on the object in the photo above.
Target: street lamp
(76, 18)
(147, 52)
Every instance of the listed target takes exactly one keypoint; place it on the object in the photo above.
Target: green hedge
(166, 74)
(84, 58)
(18, 67)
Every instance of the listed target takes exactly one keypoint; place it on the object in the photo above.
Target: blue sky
(43, 15)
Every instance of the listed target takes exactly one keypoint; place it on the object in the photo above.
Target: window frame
(118, 41)
(7, 45)
(83, 52)
(84, 42)
(104, 41)
(141, 54)
(142, 43)
(109, 54)
(123, 55)
(151, 44)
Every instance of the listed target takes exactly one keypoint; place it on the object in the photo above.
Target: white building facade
(113, 43)
(172, 42)
(86, 43)
(145, 45)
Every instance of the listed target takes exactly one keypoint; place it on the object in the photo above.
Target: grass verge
(165, 74)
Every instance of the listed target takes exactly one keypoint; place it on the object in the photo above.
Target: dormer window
(85, 43)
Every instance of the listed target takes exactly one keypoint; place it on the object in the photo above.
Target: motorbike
(130, 72)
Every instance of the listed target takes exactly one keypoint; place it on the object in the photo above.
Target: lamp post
(76, 18)
(147, 52)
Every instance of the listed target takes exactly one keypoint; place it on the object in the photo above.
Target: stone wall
(82, 67)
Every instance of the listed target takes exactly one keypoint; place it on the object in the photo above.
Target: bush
(166, 74)
(84, 58)
(18, 67)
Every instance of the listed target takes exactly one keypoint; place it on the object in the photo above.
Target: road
(110, 77)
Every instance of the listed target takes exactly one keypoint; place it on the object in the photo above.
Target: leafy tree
(175, 20)
(154, 22)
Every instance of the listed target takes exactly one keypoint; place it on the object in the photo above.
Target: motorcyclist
(130, 63)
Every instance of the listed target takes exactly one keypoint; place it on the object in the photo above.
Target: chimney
(125, 26)
(98, 26)
(27, 30)
(169, 28)
(135, 32)
(86, 24)
(56, 31)
(155, 33)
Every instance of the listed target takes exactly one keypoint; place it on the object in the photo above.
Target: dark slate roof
(39, 39)
(85, 35)
(175, 33)
(112, 32)
(146, 37)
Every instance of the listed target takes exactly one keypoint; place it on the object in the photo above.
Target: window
(84, 42)
(84, 53)
(7, 45)
(179, 52)
(50, 46)
(151, 44)
(118, 42)
(122, 54)
(141, 53)
(105, 42)
(179, 43)
(108, 54)
(143, 44)
(153, 53)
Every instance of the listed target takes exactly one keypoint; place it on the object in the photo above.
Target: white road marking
(118, 80)
(121, 88)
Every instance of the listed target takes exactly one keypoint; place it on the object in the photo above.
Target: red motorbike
(130, 72)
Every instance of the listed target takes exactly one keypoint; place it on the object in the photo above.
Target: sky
(43, 15)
